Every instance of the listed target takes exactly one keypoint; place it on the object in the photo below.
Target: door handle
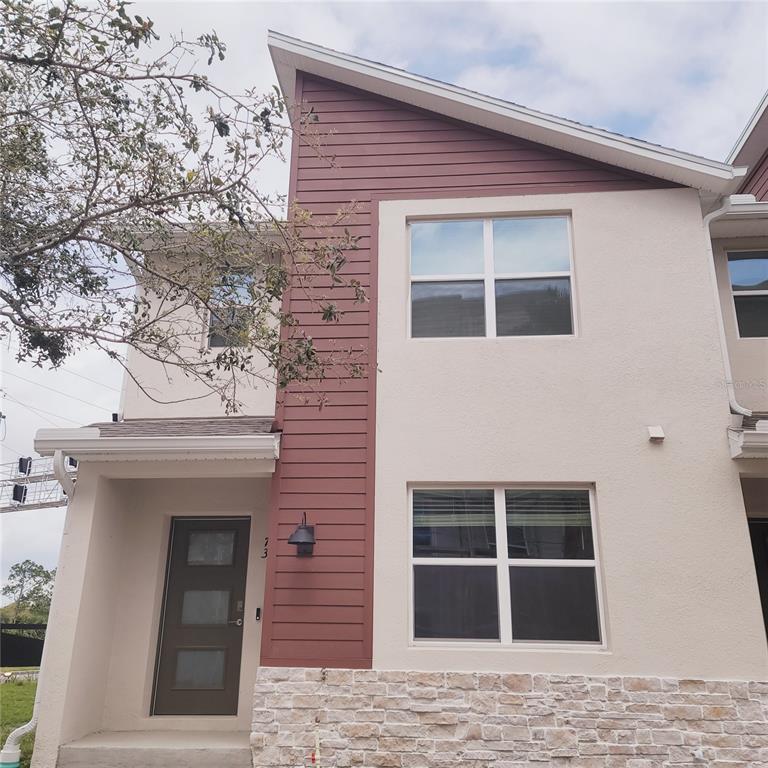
(236, 622)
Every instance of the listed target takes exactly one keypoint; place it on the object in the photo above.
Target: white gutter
(708, 219)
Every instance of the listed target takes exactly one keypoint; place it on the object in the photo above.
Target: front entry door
(758, 531)
(201, 630)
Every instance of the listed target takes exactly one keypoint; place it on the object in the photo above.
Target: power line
(87, 378)
(57, 391)
(40, 411)
(34, 413)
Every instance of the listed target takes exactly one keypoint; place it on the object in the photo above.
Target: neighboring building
(537, 516)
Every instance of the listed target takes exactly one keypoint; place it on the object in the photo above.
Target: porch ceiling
(239, 438)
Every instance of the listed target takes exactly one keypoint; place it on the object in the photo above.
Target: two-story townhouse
(537, 516)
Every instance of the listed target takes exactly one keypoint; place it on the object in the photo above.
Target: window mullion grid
(502, 567)
(530, 275)
(490, 287)
(457, 278)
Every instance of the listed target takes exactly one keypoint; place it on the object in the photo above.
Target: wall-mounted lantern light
(303, 537)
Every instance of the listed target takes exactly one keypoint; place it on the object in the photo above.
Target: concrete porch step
(158, 749)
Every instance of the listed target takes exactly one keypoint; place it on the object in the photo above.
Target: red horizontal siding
(757, 181)
(318, 610)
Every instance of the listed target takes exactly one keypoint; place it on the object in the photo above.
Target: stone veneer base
(397, 719)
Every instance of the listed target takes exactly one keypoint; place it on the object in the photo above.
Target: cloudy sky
(686, 75)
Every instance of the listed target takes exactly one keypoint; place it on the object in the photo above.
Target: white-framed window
(504, 564)
(228, 327)
(491, 277)
(748, 272)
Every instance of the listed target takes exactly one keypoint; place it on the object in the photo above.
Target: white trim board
(291, 55)
(85, 443)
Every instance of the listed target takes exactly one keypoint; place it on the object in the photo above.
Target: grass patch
(19, 669)
(16, 702)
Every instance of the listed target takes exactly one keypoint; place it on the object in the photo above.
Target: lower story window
(505, 565)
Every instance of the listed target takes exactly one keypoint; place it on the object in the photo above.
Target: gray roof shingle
(186, 427)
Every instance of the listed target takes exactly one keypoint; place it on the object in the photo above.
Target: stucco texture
(749, 356)
(100, 653)
(678, 582)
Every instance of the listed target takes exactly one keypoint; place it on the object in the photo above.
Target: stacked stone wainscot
(407, 719)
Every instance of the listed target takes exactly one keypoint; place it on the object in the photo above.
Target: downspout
(708, 219)
(10, 755)
(11, 752)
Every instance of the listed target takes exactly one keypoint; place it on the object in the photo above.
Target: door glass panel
(205, 606)
(200, 668)
(211, 548)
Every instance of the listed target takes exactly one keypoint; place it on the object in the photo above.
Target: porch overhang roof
(290, 55)
(743, 219)
(87, 444)
(752, 442)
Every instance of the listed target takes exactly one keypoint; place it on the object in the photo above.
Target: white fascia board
(748, 210)
(742, 220)
(290, 55)
(748, 444)
(750, 146)
(86, 445)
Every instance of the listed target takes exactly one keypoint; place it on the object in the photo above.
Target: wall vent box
(656, 434)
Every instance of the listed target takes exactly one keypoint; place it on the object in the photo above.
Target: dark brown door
(758, 531)
(201, 629)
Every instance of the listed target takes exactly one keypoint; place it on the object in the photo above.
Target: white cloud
(688, 74)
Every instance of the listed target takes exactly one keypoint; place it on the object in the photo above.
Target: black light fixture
(303, 537)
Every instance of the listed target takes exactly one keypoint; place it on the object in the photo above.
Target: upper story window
(748, 271)
(491, 277)
(228, 321)
(504, 564)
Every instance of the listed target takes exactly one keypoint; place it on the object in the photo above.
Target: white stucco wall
(679, 589)
(157, 390)
(749, 357)
(100, 652)
(77, 646)
(140, 578)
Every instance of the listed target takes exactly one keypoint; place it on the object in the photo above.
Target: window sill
(496, 646)
(503, 339)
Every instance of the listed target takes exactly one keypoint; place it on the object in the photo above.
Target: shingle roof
(186, 427)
